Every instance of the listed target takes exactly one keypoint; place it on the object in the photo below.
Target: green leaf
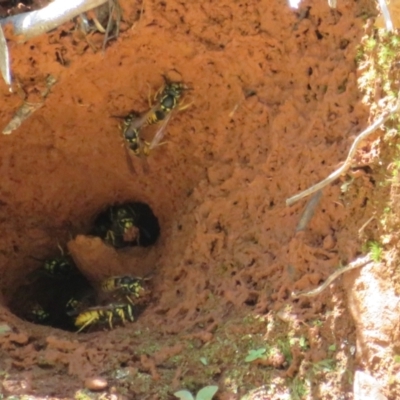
(184, 395)
(332, 347)
(255, 354)
(397, 359)
(203, 360)
(207, 393)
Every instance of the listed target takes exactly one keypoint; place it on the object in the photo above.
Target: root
(340, 171)
(360, 262)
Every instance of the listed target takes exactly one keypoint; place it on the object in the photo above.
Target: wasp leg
(129, 161)
(130, 314)
(110, 237)
(86, 324)
(185, 106)
(110, 317)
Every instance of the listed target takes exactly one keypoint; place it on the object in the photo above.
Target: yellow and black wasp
(132, 136)
(112, 313)
(167, 100)
(62, 268)
(128, 224)
(38, 315)
(123, 230)
(126, 287)
(79, 301)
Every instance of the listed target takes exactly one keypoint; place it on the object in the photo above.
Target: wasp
(129, 224)
(60, 267)
(123, 230)
(78, 302)
(38, 315)
(126, 285)
(73, 306)
(132, 136)
(167, 99)
(119, 313)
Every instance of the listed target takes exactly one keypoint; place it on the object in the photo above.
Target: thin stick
(37, 22)
(308, 211)
(334, 175)
(360, 262)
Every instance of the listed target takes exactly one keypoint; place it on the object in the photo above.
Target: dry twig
(308, 211)
(35, 23)
(360, 262)
(340, 171)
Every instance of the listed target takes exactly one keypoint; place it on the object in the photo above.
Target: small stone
(96, 383)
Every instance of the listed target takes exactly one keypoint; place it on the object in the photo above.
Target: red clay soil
(275, 108)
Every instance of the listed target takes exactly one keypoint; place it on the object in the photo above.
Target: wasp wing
(160, 133)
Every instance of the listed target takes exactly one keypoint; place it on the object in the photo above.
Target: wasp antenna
(60, 248)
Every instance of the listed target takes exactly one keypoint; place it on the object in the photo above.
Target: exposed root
(360, 262)
(340, 171)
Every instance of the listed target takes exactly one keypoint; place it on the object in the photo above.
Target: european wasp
(167, 99)
(60, 267)
(129, 224)
(113, 313)
(132, 135)
(79, 301)
(132, 288)
(38, 315)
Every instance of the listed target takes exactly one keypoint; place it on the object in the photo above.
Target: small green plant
(332, 347)
(303, 343)
(375, 250)
(298, 388)
(397, 359)
(255, 354)
(207, 393)
(323, 366)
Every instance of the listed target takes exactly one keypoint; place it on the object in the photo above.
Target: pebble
(96, 383)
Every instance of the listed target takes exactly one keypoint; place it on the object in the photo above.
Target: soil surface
(274, 108)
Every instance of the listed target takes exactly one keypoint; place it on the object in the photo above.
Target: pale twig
(386, 15)
(35, 23)
(308, 211)
(365, 224)
(346, 165)
(360, 262)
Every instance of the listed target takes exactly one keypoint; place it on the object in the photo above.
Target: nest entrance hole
(63, 287)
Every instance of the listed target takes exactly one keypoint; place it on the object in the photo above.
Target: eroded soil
(275, 108)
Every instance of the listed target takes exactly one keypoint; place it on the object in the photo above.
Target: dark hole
(57, 294)
(43, 298)
(319, 34)
(251, 300)
(344, 43)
